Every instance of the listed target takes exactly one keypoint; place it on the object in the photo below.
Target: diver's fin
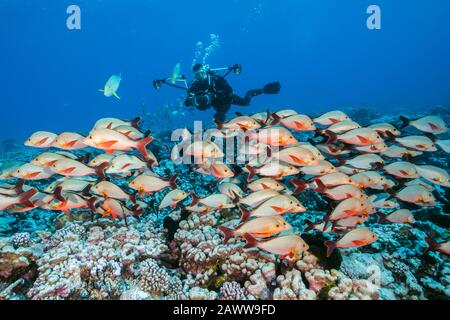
(116, 95)
(272, 88)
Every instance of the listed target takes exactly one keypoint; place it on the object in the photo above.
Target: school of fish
(362, 171)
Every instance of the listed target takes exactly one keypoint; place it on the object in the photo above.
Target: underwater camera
(237, 69)
(157, 84)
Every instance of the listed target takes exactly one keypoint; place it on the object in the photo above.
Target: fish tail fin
(219, 124)
(237, 170)
(321, 187)
(227, 233)
(276, 119)
(252, 172)
(87, 190)
(377, 166)
(195, 200)
(408, 158)
(251, 242)
(133, 197)
(317, 133)
(331, 246)
(91, 204)
(150, 163)
(236, 198)
(173, 181)
(245, 214)
(24, 198)
(326, 221)
(431, 136)
(331, 137)
(125, 220)
(390, 136)
(19, 186)
(58, 194)
(142, 146)
(84, 159)
(100, 170)
(269, 152)
(135, 124)
(382, 218)
(299, 185)
(390, 192)
(341, 161)
(268, 115)
(432, 245)
(136, 211)
(405, 122)
(310, 226)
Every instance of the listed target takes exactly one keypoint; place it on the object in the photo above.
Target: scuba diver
(212, 90)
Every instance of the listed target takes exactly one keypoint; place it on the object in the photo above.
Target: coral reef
(168, 254)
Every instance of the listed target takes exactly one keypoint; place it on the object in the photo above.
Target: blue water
(321, 51)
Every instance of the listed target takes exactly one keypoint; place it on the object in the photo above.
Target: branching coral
(93, 265)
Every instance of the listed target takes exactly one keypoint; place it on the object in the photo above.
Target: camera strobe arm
(236, 69)
(157, 84)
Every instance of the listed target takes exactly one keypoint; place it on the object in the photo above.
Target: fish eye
(278, 225)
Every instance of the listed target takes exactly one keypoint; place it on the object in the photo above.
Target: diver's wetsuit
(216, 92)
